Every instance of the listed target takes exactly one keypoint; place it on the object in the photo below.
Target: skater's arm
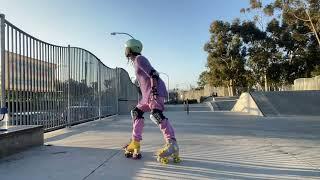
(146, 67)
(154, 84)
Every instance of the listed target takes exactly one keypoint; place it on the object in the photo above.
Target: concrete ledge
(19, 138)
(288, 103)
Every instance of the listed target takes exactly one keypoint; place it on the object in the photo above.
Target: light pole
(115, 33)
(168, 84)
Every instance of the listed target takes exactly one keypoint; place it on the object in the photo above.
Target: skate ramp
(192, 107)
(247, 104)
(284, 103)
(223, 103)
(201, 107)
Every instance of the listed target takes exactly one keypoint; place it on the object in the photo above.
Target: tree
(296, 11)
(259, 56)
(225, 60)
(277, 44)
(316, 71)
(261, 51)
(202, 79)
(288, 49)
(300, 50)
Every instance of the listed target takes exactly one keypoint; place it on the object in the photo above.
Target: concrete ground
(214, 145)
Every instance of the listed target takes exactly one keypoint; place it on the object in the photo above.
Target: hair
(135, 54)
(130, 53)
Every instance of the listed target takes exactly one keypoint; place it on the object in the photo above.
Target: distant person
(153, 95)
(187, 106)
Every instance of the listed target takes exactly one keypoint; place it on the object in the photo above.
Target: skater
(153, 95)
(187, 106)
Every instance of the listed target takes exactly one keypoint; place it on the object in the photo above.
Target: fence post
(117, 89)
(69, 75)
(4, 111)
(99, 88)
(3, 77)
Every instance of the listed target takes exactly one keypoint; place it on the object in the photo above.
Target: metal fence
(56, 86)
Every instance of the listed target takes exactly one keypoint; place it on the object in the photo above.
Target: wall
(307, 84)
(206, 91)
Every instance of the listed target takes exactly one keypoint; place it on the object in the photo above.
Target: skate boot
(171, 149)
(132, 150)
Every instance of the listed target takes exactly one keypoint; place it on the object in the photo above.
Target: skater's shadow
(98, 163)
(191, 168)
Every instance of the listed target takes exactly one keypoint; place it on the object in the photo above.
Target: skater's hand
(154, 93)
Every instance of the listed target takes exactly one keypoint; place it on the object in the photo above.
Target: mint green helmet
(134, 45)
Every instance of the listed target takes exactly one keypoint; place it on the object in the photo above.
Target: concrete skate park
(259, 135)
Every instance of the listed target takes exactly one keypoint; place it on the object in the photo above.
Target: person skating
(154, 93)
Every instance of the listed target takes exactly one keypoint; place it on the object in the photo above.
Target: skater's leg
(157, 116)
(137, 128)
(133, 148)
(167, 129)
(138, 124)
(171, 147)
(138, 119)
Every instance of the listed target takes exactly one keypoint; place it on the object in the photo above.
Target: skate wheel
(128, 155)
(176, 160)
(164, 160)
(137, 156)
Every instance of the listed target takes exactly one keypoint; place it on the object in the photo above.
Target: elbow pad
(154, 74)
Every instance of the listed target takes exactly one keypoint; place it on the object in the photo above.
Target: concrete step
(20, 138)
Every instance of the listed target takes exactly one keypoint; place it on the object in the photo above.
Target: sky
(173, 32)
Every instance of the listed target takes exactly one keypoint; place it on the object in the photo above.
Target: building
(29, 74)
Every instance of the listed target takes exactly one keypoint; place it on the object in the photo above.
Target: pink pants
(146, 106)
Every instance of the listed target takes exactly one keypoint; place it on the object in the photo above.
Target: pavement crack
(104, 162)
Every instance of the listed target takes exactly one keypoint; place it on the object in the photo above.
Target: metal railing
(56, 86)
